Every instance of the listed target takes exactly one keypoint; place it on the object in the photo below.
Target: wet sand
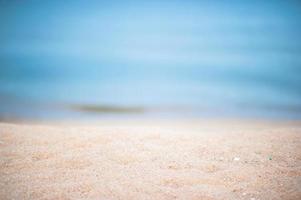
(143, 159)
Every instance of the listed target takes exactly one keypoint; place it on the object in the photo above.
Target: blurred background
(69, 59)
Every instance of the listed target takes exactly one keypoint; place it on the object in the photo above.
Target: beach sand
(144, 159)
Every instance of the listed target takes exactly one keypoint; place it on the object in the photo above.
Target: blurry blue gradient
(239, 58)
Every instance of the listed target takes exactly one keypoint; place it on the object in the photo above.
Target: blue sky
(158, 32)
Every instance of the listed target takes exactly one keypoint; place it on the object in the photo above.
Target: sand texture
(151, 160)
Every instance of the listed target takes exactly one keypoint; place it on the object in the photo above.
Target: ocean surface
(65, 59)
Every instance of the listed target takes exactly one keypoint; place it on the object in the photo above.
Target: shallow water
(177, 58)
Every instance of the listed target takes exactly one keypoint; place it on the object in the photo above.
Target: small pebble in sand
(236, 158)
(244, 194)
(252, 198)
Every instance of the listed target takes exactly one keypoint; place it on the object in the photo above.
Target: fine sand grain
(142, 159)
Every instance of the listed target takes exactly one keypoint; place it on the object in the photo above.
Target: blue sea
(169, 58)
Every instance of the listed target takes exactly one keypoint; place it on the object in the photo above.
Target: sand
(140, 159)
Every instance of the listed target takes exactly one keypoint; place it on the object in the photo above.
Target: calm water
(228, 58)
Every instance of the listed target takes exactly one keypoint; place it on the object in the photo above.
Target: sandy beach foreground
(142, 159)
